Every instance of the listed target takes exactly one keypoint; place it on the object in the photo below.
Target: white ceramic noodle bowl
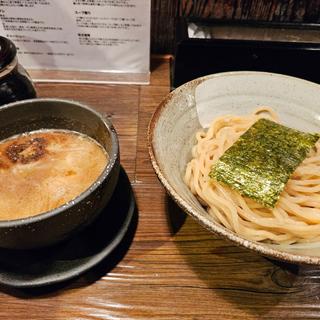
(172, 130)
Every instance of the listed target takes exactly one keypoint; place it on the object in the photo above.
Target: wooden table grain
(169, 267)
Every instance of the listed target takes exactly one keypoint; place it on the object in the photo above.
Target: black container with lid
(15, 83)
(207, 46)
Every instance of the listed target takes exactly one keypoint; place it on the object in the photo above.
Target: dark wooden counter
(165, 12)
(173, 268)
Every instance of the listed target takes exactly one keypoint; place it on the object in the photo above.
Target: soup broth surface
(42, 170)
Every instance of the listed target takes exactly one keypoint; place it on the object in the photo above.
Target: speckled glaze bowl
(56, 225)
(173, 126)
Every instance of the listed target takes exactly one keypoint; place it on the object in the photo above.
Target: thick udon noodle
(296, 216)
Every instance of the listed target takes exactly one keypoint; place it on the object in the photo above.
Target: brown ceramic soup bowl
(56, 225)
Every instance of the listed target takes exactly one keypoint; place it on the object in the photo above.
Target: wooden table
(173, 268)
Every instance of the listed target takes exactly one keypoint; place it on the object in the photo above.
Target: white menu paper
(108, 37)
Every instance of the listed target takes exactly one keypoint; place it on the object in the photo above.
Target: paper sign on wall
(106, 40)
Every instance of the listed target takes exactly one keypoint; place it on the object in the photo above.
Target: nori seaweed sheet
(260, 162)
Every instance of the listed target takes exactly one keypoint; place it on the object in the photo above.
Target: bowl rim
(113, 159)
(211, 226)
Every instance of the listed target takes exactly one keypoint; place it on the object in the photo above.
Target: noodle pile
(296, 216)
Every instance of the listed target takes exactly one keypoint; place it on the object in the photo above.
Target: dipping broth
(42, 170)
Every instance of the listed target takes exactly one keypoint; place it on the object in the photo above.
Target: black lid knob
(7, 52)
